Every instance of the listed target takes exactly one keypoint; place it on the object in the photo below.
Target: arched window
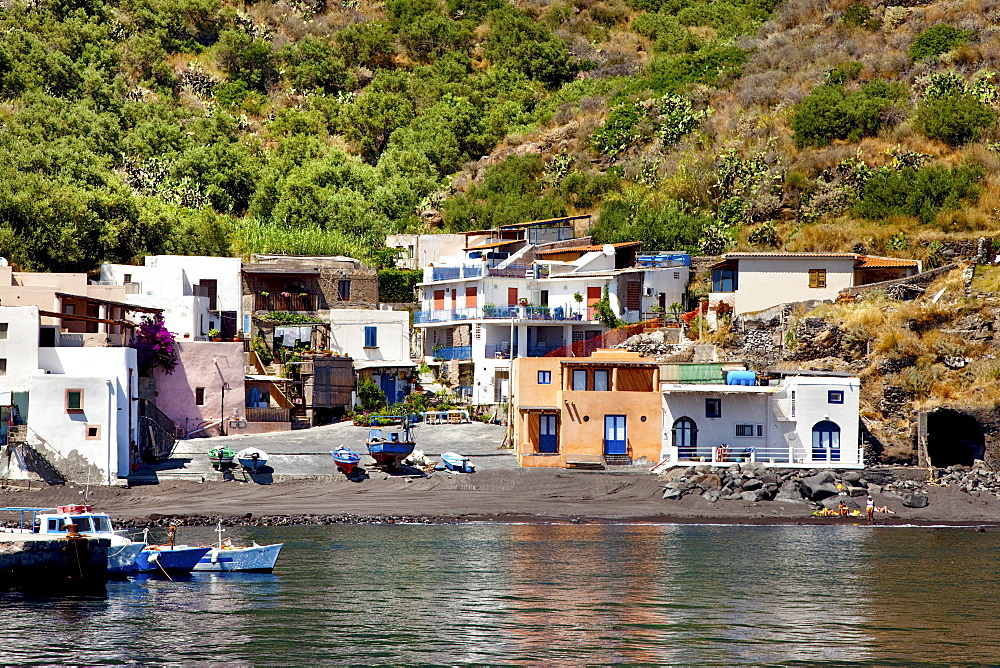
(826, 441)
(685, 437)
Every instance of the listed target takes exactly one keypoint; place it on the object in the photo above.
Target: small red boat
(346, 459)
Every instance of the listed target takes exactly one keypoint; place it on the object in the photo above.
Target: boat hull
(456, 462)
(346, 460)
(179, 559)
(390, 453)
(122, 558)
(258, 559)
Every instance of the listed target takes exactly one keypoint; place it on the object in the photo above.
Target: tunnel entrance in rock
(954, 438)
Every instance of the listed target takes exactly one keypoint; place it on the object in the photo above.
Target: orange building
(602, 409)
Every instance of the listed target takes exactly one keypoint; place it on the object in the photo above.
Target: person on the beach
(842, 509)
(870, 509)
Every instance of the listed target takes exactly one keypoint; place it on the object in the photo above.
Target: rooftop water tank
(741, 378)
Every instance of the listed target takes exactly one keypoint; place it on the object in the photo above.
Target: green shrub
(620, 131)
(954, 118)
(937, 40)
(668, 225)
(395, 286)
(370, 395)
(860, 16)
(918, 192)
(830, 112)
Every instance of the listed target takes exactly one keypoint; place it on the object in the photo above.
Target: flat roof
(716, 388)
(109, 302)
(610, 361)
(589, 249)
(279, 269)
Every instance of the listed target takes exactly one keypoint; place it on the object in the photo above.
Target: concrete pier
(57, 565)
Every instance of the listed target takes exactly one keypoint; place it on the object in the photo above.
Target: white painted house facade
(76, 406)
(800, 421)
(750, 282)
(197, 293)
(379, 344)
(527, 290)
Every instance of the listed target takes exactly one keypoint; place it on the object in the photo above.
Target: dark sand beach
(520, 495)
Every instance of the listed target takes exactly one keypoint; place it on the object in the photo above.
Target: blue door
(615, 442)
(548, 440)
(387, 383)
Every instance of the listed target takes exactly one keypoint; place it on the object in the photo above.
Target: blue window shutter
(371, 337)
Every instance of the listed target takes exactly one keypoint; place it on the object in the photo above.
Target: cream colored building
(750, 282)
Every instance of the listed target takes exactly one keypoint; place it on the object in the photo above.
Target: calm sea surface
(546, 594)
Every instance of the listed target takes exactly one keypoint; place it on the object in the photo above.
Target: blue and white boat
(254, 558)
(122, 553)
(346, 459)
(456, 462)
(252, 459)
(169, 559)
(390, 445)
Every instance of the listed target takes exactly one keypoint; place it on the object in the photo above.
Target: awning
(108, 302)
(537, 409)
(266, 379)
(373, 364)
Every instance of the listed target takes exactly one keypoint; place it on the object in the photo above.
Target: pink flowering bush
(155, 346)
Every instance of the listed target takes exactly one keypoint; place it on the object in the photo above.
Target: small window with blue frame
(835, 397)
(544, 377)
(713, 408)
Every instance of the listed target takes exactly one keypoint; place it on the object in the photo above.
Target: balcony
(285, 301)
(558, 313)
(453, 353)
(452, 273)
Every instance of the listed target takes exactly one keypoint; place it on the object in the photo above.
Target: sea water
(549, 594)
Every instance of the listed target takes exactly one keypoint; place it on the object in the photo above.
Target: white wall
(20, 348)
(108, 378)
(347, 334)
(767, 282)
(181, 315)
(812, 406)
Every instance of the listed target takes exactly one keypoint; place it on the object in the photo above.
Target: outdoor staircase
(618, 460)
(32, 455)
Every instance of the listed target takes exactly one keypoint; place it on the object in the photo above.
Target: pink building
(205, 392)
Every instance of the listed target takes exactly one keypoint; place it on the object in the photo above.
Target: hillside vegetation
(132, 127)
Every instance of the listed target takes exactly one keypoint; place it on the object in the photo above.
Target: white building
(76, 407)
(422, 250)
(197, 293)
(750, 282)
(379, 344)
(800, 421)
(530, 289)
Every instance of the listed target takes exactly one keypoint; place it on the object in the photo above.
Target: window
(74, 401)
(580, 380)
(344, 290)
(724, 280)
(750, 430)
(633, 295)
(371, 336)
(3, 330)
(713, 408)
(835, 397)
(93, 432)
(128, 278)
(199, 396)
(601, 380)
(3, 366)
(544, 377)
(817, 278)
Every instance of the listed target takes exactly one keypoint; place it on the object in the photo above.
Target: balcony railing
(285, 301)
(560, 313)
(453, 353)
(451, 273)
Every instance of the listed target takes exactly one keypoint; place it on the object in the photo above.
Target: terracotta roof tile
(872, 262)
(587, 249)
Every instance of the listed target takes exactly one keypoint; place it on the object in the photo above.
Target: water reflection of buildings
(585, 593)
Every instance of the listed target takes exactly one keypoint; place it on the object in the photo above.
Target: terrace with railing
(448, 353)
(485, 269)
(285, 301)
(557, 313)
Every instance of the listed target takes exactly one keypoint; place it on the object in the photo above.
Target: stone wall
(920, 280)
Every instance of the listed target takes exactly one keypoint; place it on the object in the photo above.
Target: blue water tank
(741, 378)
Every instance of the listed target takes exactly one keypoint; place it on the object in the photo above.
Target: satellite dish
(608, 250)
(3, 262)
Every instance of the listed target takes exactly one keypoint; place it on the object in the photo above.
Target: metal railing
(490, 312)
(285, 301)
(453, 353)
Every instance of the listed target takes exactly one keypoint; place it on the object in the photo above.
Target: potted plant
(215, 334)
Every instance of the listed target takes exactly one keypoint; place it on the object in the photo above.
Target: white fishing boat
(252, 459)
(122, 553)
(226, 557)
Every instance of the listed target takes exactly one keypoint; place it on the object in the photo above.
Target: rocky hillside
(319, 126)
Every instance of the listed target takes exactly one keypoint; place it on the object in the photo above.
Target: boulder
(915, 500)
(753, 469)
(769, 479)
(856, 491)
(712, 496)
(789, 493)
(708, 482)
(752, 484)
(820, 486)
(851, 478)
(749, 496)
(670, 493)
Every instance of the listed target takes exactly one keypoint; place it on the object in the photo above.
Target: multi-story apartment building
(529, 289)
